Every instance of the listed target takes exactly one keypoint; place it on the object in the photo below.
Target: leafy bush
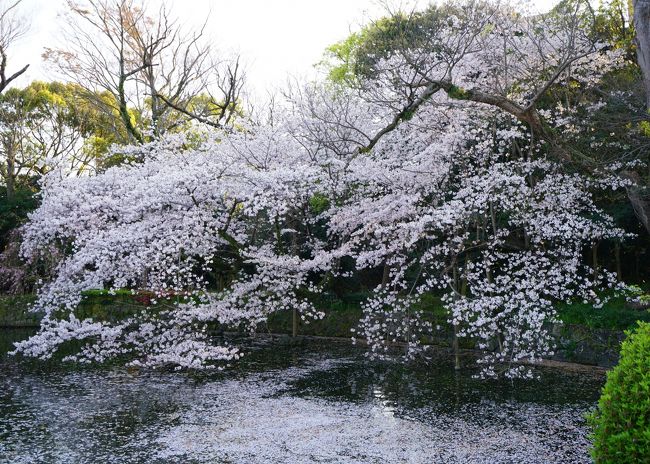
(616, 314)
(621, 424)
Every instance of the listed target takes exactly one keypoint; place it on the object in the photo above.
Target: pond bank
(578, 344)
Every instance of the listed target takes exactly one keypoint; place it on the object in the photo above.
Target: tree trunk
(124, 113)
(636, 195)
(145, 277)
(11, 175)
(460, 289)
(386, 275)
(155, 108)
(642, 27)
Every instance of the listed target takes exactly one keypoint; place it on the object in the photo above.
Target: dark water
(284, 403)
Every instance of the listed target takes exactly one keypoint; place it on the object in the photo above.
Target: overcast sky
(276, 38)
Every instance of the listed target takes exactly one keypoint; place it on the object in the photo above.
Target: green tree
(47, 126)
(356, 56)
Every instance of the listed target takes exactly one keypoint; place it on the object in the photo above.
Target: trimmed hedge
(621, 424)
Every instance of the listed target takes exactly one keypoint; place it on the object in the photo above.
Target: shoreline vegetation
(586, 336)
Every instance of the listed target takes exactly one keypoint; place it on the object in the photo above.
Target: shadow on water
(418, 384)
(60, 413)
(8, 336)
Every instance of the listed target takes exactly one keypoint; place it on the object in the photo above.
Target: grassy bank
(616, 314)
(14, 311)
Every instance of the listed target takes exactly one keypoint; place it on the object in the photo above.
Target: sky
(275, 38)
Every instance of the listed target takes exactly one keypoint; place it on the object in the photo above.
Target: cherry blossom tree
(451, 180)
(471, 207)
(159, 225)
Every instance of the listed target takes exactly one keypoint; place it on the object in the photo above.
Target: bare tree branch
(12, 27)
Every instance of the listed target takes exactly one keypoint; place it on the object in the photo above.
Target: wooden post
(455, 340)
(456, 349)
(617, 256)
(294, 252)
(294, 331)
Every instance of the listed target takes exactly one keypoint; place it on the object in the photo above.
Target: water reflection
(387, 406)
(289, 403)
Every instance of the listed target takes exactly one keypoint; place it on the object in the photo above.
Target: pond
(312, 401)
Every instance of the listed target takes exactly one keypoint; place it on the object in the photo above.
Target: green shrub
(614, 315)
(621, 424)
